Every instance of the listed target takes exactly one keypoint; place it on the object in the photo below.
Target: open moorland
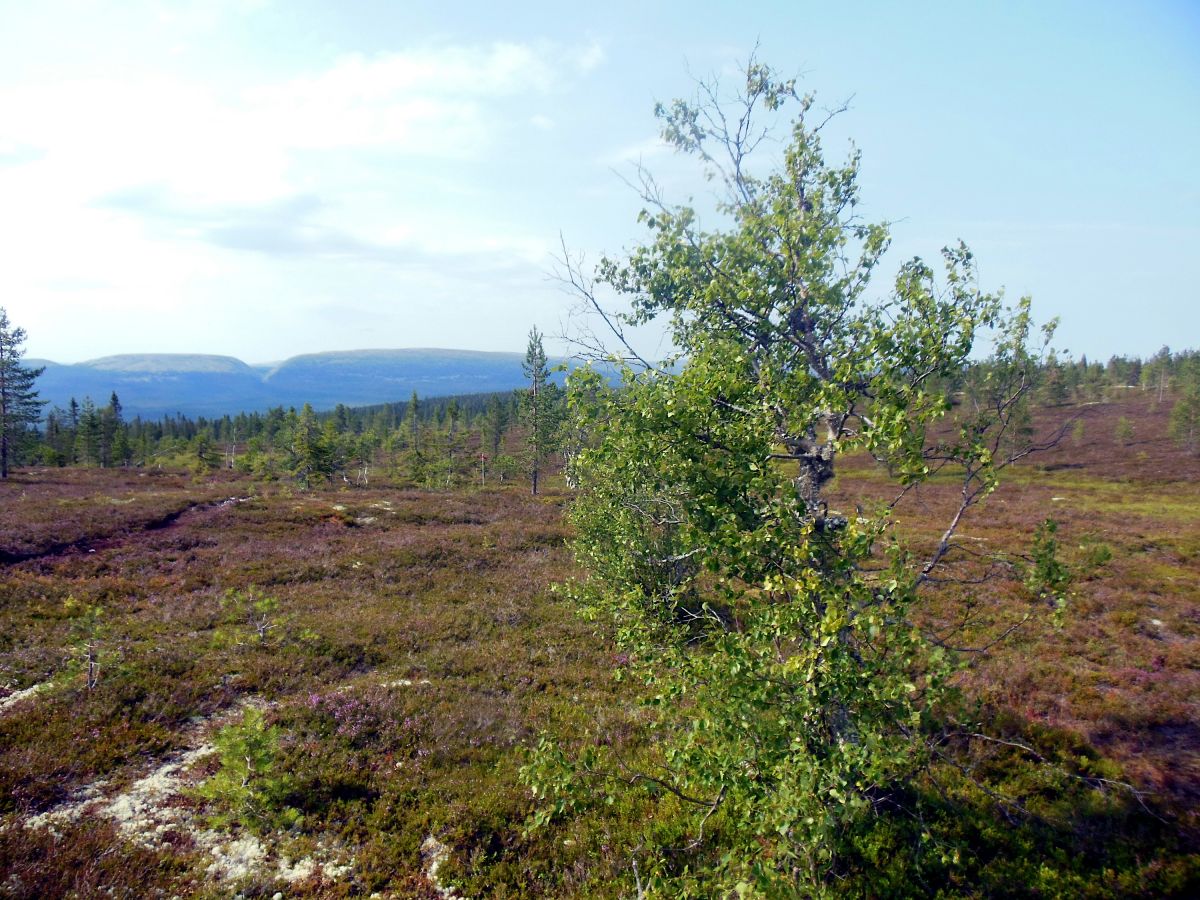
(213, 685)
(1120, 669)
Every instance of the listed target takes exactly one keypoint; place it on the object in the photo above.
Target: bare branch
(570, 275)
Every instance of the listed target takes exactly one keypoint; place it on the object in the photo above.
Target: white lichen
(236, 859)
(435, 853)
(403, 682)
(17, 696)
(145, 815)
(141, 812)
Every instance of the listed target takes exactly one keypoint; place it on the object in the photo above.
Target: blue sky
(263, 179)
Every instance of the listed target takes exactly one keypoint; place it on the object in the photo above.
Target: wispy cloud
(591, 57)
(464, 71)
(305, 166)
(434, 102)
(371, 177)
(292, 228)
(14, 154)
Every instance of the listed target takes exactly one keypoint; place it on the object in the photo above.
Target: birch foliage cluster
(791, 695)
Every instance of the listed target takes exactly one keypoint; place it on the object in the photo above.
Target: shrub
(246, 788)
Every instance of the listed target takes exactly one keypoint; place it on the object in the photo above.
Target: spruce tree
(110, 427)
(19, 405)
(87, 435)
(540, 405)
(494, 424)
(414, 423)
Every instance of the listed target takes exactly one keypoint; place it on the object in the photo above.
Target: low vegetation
(400, 652)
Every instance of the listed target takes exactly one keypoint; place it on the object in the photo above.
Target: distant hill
(169, 363)
(364, 377)
(156, 384)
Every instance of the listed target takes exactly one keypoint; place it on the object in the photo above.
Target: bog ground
(223, 685)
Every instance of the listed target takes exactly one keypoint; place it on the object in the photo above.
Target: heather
(250, 687)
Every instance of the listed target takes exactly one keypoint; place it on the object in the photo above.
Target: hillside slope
(364, 377)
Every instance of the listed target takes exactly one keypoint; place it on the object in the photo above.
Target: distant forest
(435, 442)
(444, 441)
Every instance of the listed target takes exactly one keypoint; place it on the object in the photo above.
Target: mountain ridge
(152, 385)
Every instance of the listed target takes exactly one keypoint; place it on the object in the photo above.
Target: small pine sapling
(1124, 432)
(247, 788)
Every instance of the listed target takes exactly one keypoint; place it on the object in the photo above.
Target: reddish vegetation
(374, 587)
(1123, 671)
(50, 511)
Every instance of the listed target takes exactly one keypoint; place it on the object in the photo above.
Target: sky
(263, 179)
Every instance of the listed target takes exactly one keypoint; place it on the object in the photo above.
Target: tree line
(434, 442)
(443, 441)
(1079, 380)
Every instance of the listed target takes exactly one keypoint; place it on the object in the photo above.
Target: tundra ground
(377, 661)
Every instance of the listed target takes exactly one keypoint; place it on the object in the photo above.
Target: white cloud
(435, 102)
(101, 135)
(200, 16)
(494, 70)
(169, 198)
